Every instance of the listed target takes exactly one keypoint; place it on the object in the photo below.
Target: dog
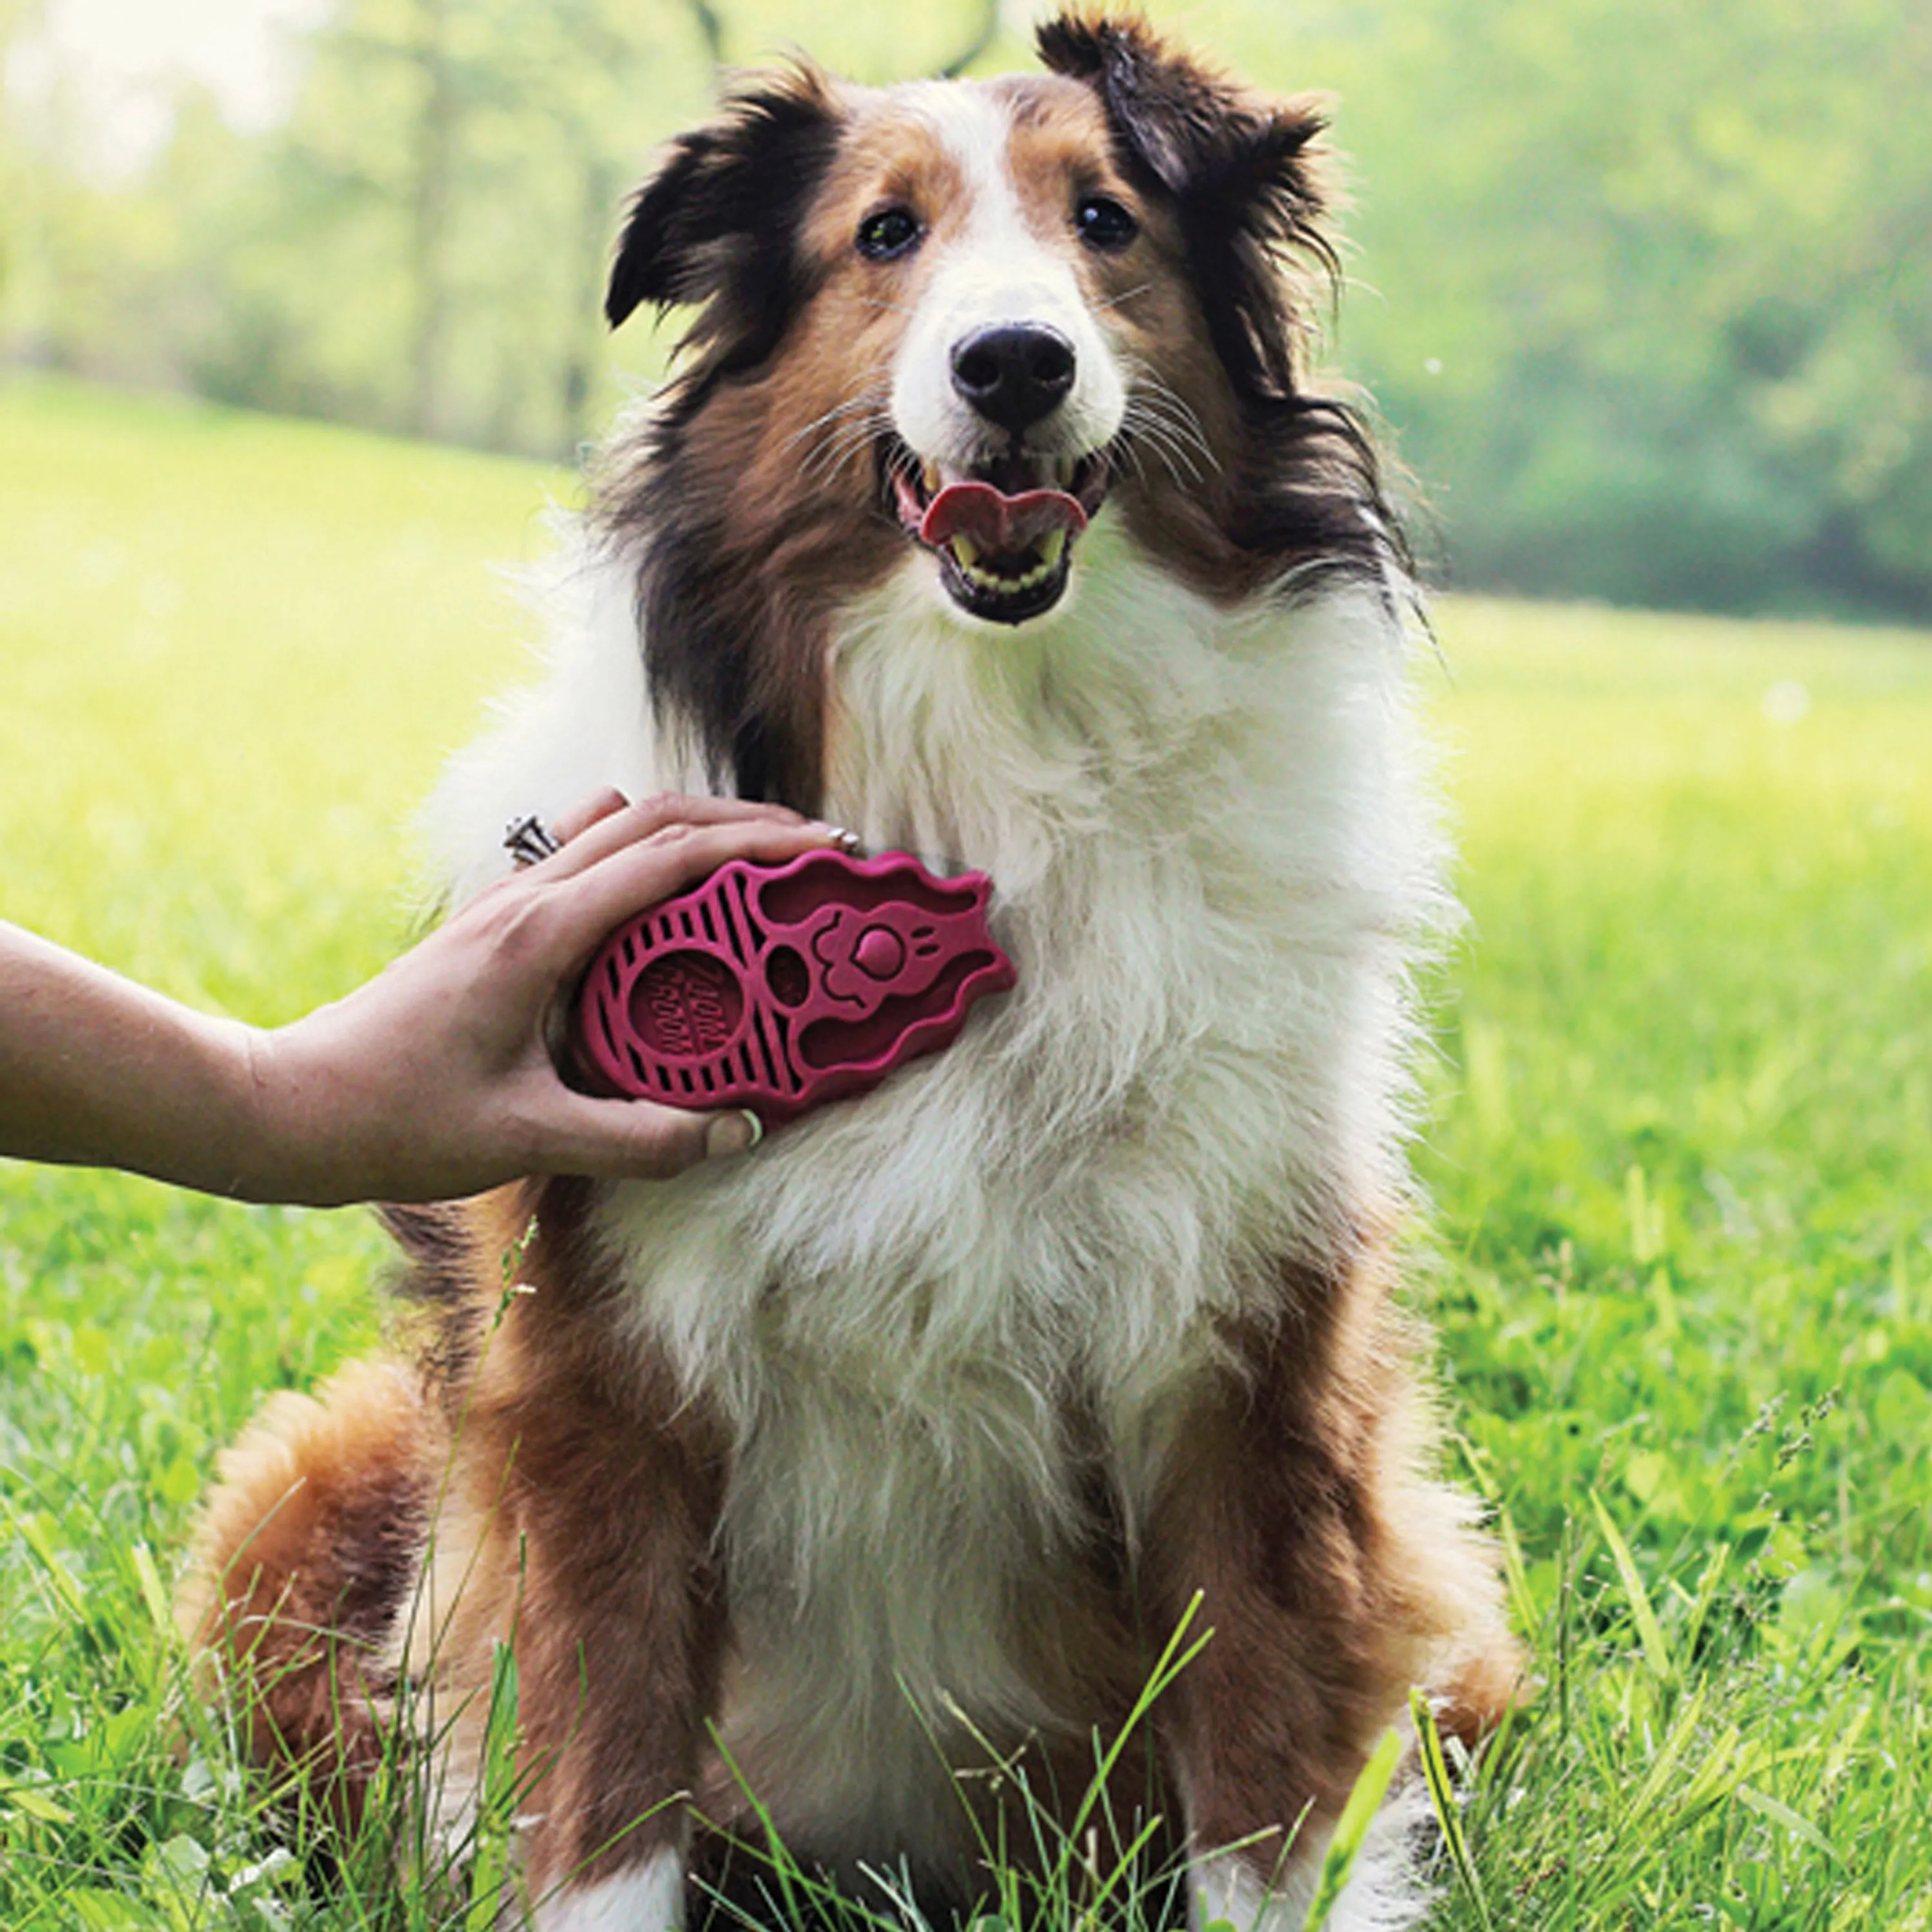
(989, 512)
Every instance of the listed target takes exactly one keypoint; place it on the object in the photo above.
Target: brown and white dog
(918, 1430)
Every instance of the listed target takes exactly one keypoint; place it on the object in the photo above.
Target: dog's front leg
(598, 1565)
(1270, 1510)
(620, 1644)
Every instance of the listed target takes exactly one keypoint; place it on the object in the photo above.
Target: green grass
(1681, 1154)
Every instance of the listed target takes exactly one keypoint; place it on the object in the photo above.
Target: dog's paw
(1384, 1893)
(646, 1897)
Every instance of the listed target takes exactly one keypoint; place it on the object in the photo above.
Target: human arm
(431, 1080)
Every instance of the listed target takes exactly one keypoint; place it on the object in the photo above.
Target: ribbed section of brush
(779, 989)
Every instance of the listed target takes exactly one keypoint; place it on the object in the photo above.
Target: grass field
(1681, 1261)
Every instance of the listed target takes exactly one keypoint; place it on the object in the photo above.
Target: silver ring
(529, 839)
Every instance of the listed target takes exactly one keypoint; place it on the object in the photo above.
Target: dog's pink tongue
(995, 522)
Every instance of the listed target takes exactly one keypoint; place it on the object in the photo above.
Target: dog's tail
(307, 1555)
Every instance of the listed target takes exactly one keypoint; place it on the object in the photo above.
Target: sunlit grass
(1682, 1158)
(235, 656)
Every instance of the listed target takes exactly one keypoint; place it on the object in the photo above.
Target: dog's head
(945, 325)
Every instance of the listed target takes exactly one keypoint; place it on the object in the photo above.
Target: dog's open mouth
(1003, 531)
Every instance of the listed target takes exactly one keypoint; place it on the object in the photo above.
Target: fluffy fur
(917, 1432)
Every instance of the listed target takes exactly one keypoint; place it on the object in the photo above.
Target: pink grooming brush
(780, 987)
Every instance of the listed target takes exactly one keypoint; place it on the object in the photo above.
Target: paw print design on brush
(780, 987)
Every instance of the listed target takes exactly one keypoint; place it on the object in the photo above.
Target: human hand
(434, 1079)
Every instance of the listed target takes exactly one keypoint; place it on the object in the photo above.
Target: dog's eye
(1103, 223)
(891, 232)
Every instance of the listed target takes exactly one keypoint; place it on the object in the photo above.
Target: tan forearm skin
(97, 1071)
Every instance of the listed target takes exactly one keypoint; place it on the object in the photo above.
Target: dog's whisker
(1155, 395)
(853, 450)
(1148, 381)
(1143, 424)
(827, 463)
(842, 442)
(824, 457)
(867, 398)
(1169, 461)
(867, 409)
(1178, 466)
(1127, 449)
(1175, 408)
(838, 437)
(1154, 417)
(1151, 423)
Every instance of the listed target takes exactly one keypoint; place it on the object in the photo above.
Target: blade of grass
(1442, 1802)
(1775, 1812)
(489, 1861)
(1516, 1573)
(1649, 1631)
(1358, 1814)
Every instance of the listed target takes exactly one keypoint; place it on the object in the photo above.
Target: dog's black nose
(1014, 373)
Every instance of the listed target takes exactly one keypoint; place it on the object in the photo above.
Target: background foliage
(1646, 289)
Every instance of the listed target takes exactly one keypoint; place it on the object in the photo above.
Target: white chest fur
(1215, 864)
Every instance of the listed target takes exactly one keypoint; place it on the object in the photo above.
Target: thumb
(614, 1140)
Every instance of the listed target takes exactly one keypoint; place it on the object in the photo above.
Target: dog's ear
(716, 224)
(1241, 168)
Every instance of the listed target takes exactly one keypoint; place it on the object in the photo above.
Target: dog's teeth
(929, 475)
(966, 554)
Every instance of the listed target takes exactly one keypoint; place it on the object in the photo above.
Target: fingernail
(847, 841)
(733, 1133)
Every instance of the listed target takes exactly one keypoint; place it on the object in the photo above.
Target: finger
(540, 929)
(611, 1140)
(590, 906)
(648, 817)
(582, 816)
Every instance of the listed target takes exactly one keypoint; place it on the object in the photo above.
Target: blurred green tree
(1656, 293)
(423, 245)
